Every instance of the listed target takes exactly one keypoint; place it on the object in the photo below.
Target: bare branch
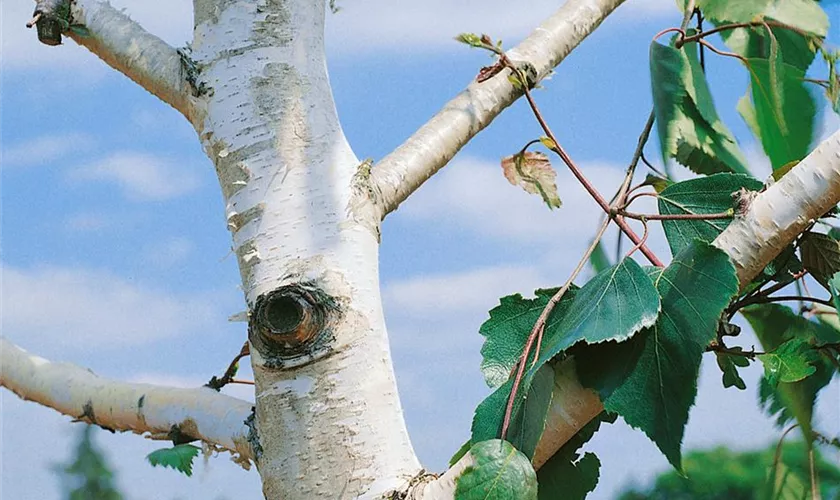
(125, 46)
(430, 148)
(166, 413)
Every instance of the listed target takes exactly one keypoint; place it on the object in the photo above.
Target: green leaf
(784, 484)
(782, 112)
(567, 474)
(790, 362)
(613, 306)
(662, 382)
(834, 288)
(179, 457)
(774, 325)
(688, 125)
(729, 364)
(704, 195)
(821, 256)
(508, 328)
(499, 472)
(528, 414)
(470, 39)
(805, 15)
(599, 260)
(658, 183)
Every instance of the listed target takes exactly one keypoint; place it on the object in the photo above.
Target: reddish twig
(227, 378)
(715, 216)
(644, 239)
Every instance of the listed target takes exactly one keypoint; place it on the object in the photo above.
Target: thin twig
(754, 24)
(715, 216)
(537, 330)
(815, 487)
(652, 168)
(32, 22)
(227, 377)
(778, 456)
(644, 239)
(724, 53)
(734, 352)
(576, 171)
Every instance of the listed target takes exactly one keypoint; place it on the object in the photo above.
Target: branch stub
(290, 325)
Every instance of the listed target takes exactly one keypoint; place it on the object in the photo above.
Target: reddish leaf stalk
(539, 326)
(576, 171)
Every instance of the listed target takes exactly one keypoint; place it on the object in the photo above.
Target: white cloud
(46, 149)
(169, 252)
(94, 309)
(86, 222)
(457, 293)
(140, 176)
(474, 195)
(400, 27)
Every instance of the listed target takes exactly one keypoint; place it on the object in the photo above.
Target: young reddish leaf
(532, 172)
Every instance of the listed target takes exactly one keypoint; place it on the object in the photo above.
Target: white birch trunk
(328, 417)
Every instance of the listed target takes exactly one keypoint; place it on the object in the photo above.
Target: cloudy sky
(116, 257)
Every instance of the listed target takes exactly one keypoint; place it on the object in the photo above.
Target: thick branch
(430, 148)
(783, 211)
(125, 46)
(163, 412)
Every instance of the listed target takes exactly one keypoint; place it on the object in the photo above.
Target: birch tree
(305, 214)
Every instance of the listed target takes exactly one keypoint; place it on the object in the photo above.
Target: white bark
(430, 148)
(200, 413)
(329, 423)
(127, 47)
(784, 210)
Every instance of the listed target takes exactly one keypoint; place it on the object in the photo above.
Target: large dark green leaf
(662, 383)
(688, 125)
(782, 111)
(527, 417)
(704, 195)
(567, 474)
(508, 329)
(612, 306)
(499, 472)
(615, 304)
(774, 325)
(821, 256)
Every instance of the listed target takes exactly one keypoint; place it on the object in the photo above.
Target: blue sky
(115, 254)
